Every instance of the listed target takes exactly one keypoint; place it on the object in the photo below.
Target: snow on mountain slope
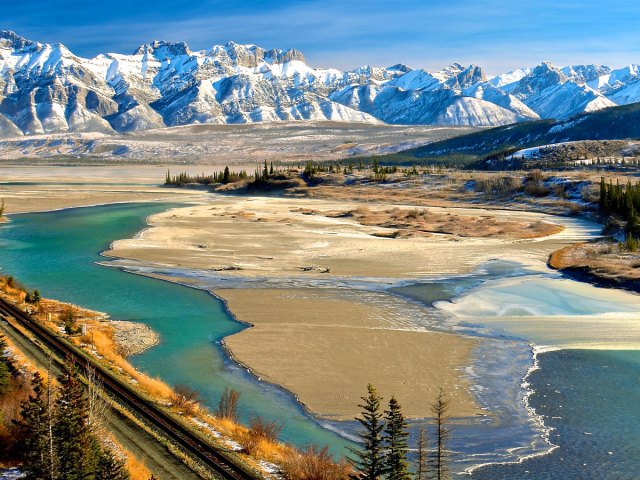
(550, 94)
(45, 88)
(8, 129)
(622, 86)
(488, 92)
(443, 106)
(508, 81)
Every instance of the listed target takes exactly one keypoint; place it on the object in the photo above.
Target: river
(585, 399)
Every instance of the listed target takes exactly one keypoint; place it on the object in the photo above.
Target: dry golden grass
(411, 222)
(259, 441)
(136, 467)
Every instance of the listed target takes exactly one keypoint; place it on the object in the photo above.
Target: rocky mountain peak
(466, 77)
(10, 39)
(162, 48)
(543, 76)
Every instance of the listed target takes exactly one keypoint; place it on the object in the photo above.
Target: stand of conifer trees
(384, 450)
(58, 440)
(623, 202)
(223, 177)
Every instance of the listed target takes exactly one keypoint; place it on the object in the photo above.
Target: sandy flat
(41, 188)
(327, 348)
(277, 236)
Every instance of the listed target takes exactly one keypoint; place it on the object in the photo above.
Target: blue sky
(499, 35)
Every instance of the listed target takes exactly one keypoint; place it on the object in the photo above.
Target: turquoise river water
(587, 400)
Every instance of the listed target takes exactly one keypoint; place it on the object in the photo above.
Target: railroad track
(170, 427)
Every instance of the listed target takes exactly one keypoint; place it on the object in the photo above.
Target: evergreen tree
(396, 442)
(225, 175)
(111, 468)
(369, 461)
(603, 195)
(265, 171)
(633, 224)
(271, 169)
(36, 446)
(422, 470)
(78, 449)
(5, 370)
(5, 377)
(440, 456)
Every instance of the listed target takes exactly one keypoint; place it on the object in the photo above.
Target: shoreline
(533, 414)
(226, 306)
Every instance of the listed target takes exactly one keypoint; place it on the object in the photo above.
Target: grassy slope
(608, 124)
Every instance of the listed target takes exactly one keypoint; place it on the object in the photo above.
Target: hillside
(492, 148)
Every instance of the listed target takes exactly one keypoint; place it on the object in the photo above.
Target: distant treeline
(222, 177)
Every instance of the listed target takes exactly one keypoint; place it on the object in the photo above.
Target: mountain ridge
(46, 88)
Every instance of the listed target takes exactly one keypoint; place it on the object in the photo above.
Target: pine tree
(603, 195)
(422, 470)
(440, 456)
(271, 169)
(111, 468)
(5, 377)
(396, 442)
(36, 446)
(369, 461)
(78, 449)
(5, 370)
(225, 175)
(633, 224)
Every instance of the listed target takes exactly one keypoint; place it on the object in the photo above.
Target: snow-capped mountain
(46, 88)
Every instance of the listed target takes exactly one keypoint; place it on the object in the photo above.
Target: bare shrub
(560, 190)
(185, 398)
(313, 464)
(414, 214)
(498, 186)
(535, 189)
(260, 432)
(574, 208)
(228, 405)
(361, 211)
(535, 175)
(98, 407)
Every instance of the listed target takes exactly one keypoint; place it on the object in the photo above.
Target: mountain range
(45, 88)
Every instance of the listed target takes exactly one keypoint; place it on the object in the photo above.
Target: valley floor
(308, 273)
(311, 285)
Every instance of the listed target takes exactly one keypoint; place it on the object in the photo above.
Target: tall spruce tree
(440, 455)
(36, 446)
(111, 468)
(5, 368)
(395, 438)
(78, 449)
(368, 462)
(603, 196)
